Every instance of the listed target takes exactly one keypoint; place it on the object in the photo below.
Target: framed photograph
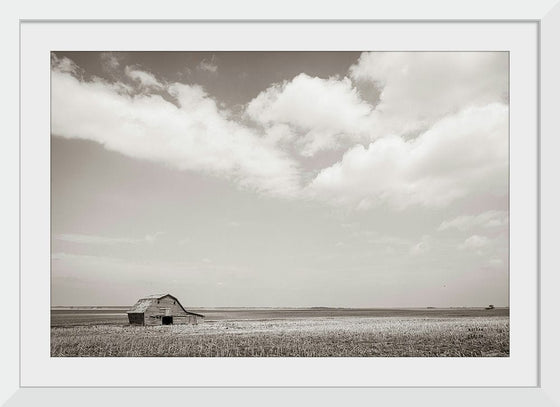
(315, 209)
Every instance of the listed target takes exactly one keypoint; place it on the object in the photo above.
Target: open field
(71, 316)
(287, 332)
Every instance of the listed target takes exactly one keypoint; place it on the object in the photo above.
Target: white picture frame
(546, 17)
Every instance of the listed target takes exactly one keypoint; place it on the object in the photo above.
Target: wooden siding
(136, 318)
(167, 306)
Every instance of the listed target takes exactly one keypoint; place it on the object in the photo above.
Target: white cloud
(419, 88)
(447, 95)
(208, 66)
(460, 155)
(324, 112)
(416, 89)
(63, 64)
(280, 134)
(195, 135)
(145, 79)
(110, 61)
(475, 242)
(489, 219)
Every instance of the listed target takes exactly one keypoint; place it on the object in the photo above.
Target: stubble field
(319, 334)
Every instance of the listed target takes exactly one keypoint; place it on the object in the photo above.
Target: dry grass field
(319, 336)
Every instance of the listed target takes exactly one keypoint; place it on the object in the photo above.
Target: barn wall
(156, 310)
(151, 319)
(136, 318)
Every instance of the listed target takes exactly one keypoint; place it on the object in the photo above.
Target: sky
(280, 179)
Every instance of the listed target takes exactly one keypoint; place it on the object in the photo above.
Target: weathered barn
(161, 309)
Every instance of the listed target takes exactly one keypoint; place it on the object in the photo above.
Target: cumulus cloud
(193, 134)
(461, 154)
(145, 79)
(414, 91)
(437, 133)
(489, 219)
(323, 112)
(63, 64)
(419, 88)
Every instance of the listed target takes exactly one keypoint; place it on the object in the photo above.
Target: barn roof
(155, 296)
(143, 304)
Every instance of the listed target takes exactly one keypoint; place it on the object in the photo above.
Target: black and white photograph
(279, 204)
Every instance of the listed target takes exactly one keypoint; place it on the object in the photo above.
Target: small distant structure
(161, 309)
(490, 307)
